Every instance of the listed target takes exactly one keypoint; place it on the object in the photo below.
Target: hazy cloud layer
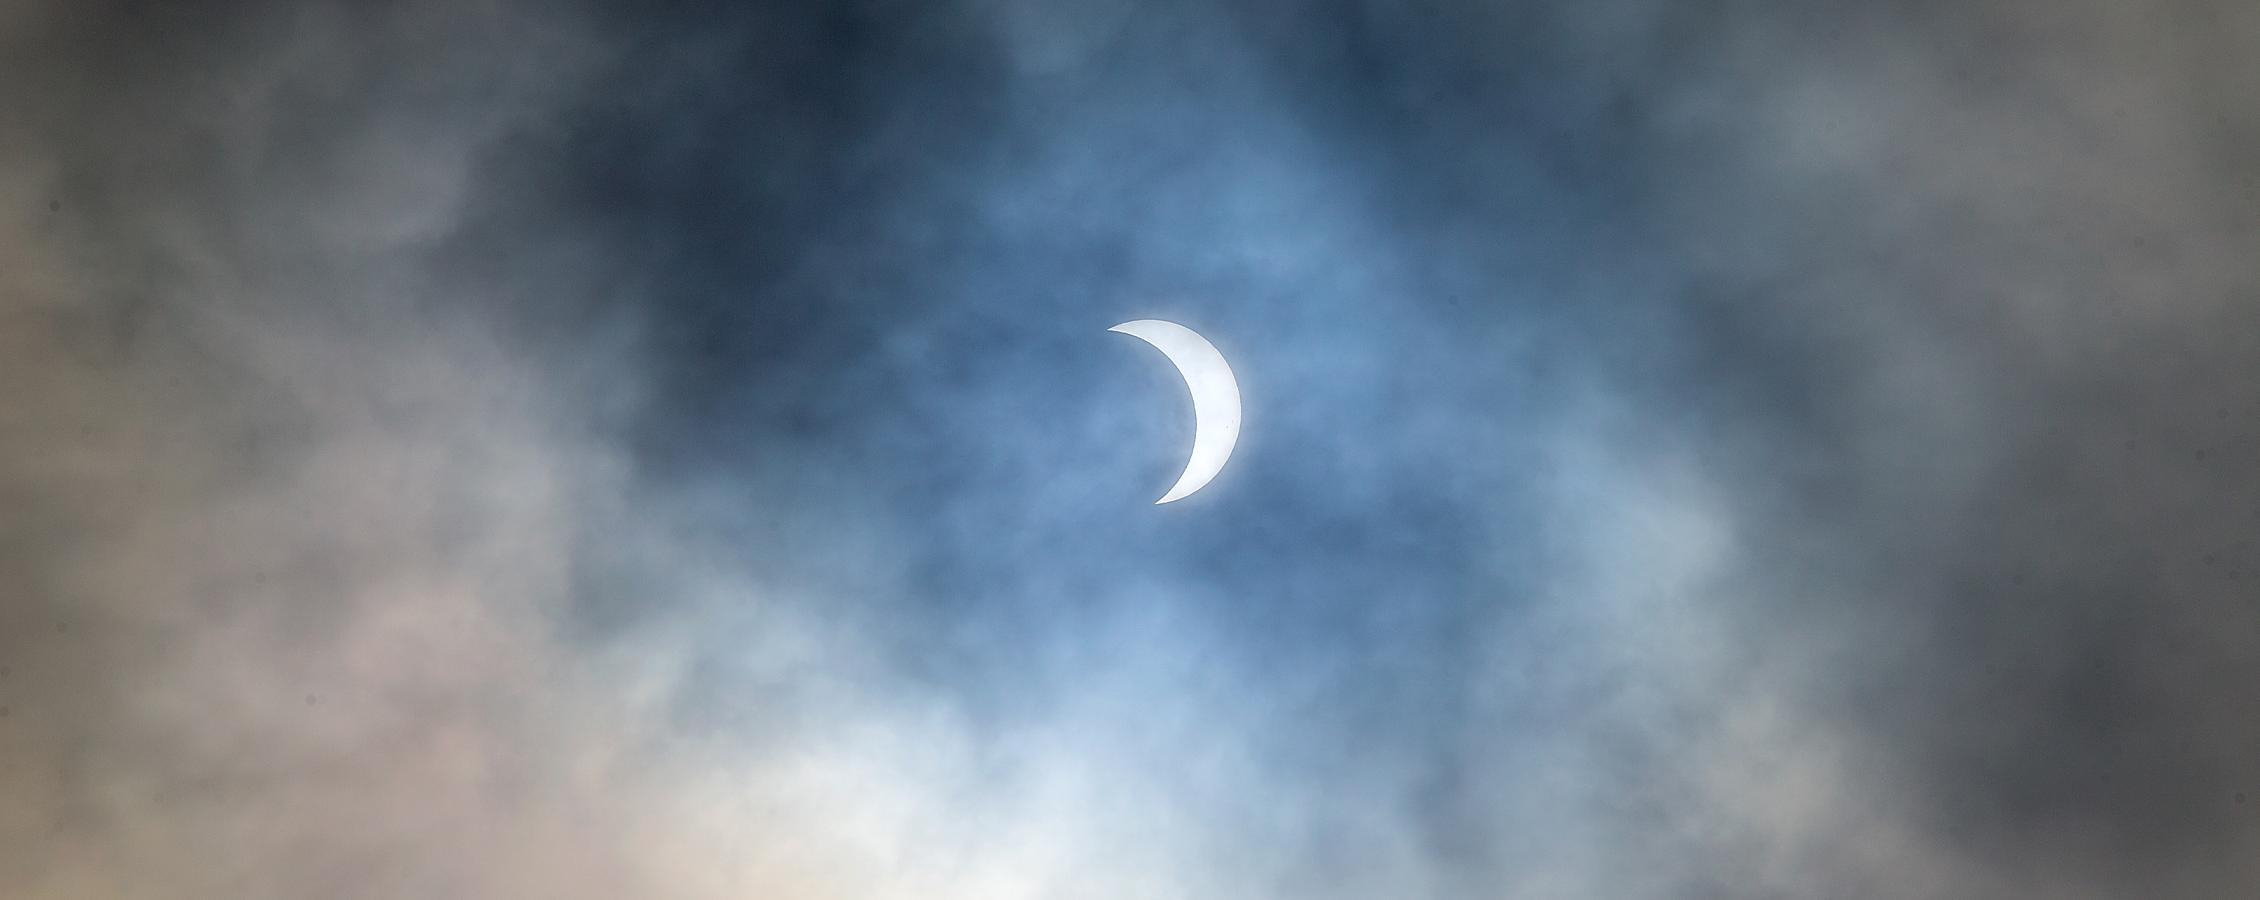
(489, 450)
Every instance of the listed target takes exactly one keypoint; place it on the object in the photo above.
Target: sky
(1691, 450)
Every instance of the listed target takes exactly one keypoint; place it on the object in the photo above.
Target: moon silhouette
(1216, 398)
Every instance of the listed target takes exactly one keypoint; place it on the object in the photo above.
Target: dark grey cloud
(1738, 452)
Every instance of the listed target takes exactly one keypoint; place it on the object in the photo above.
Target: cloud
(476, 451)
(284, 517)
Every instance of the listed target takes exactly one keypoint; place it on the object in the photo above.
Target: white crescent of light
(1216, 398)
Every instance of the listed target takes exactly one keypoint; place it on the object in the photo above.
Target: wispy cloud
(476, 451)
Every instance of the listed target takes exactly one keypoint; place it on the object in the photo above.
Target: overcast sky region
(468, 449)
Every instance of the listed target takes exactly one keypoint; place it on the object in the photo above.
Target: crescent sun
(1216, 398)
